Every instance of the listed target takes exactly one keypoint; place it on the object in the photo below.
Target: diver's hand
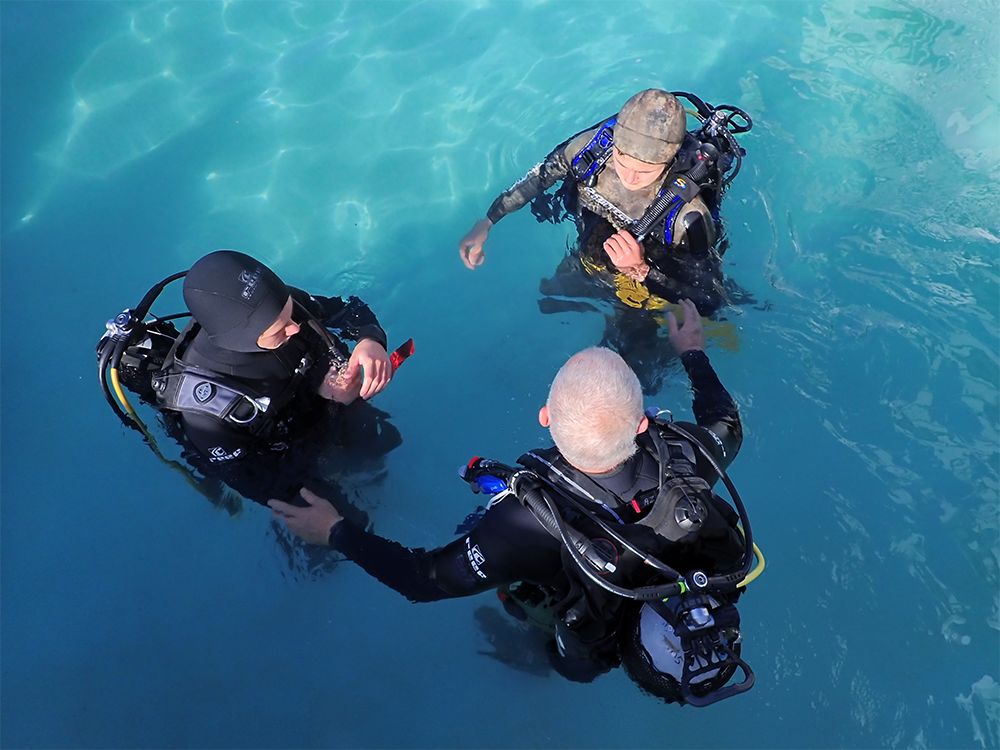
(470, 247)
(336, 386)
(312, 524)
(689, 335)
(367, 372)
(371, 357)
(626, 255)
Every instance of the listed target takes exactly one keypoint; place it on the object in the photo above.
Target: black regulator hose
(707, 155)
(119, 337)
(582, 551)
(579, 547)
(152, 294)
(646, 558)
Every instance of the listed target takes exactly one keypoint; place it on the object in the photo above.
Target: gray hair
(595, 406)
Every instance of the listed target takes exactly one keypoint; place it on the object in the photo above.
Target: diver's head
(594, 410)
(240, 303)
(649, 132)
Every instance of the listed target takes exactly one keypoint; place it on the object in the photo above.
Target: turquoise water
(351, 145)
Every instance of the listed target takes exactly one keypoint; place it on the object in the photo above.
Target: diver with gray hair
(592, 410)
(619, 511)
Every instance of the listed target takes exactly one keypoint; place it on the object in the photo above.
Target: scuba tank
(130, 352)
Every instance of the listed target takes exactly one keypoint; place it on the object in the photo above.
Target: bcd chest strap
(587, 164)
(194, 391)
(185, 388)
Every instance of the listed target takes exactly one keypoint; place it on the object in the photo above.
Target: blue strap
(603, 139)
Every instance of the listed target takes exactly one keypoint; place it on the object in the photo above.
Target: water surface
(350, 145)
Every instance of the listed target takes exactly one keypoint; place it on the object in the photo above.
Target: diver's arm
(406, 571)
(714, 409)
(368, 369)
(351, 319)
(508, 545)
(555, 167)
(689, 268)
(539, 178)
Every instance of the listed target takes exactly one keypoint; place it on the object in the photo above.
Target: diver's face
(635, 174)
(281, 330)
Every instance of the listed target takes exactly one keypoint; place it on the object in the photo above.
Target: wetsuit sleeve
(508, 545)
(407, 571)
(714, 409)
(707, 295)
(351, 319)
(540, 178)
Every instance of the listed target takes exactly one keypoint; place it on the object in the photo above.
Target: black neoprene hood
(235, 298)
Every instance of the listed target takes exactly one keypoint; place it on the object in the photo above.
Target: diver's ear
(643, 424)
(543, 417)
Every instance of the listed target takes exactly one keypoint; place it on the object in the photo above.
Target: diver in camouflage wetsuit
(648, 147)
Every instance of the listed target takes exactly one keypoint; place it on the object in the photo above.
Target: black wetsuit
(311, 440)
(510, 545)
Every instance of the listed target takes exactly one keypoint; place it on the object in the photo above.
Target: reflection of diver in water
(645, 194)
(258, 391)
(634, 321)
(515, 644)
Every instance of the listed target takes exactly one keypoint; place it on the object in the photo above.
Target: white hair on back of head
(595, 406)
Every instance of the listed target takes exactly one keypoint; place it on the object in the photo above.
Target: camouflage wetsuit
(683, 260)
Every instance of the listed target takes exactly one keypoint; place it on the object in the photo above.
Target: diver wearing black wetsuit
(269, 373)
(510, 545)
(253, 417)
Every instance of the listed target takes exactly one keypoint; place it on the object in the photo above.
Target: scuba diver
(649, 230)
(259, 388)
(613, 539)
